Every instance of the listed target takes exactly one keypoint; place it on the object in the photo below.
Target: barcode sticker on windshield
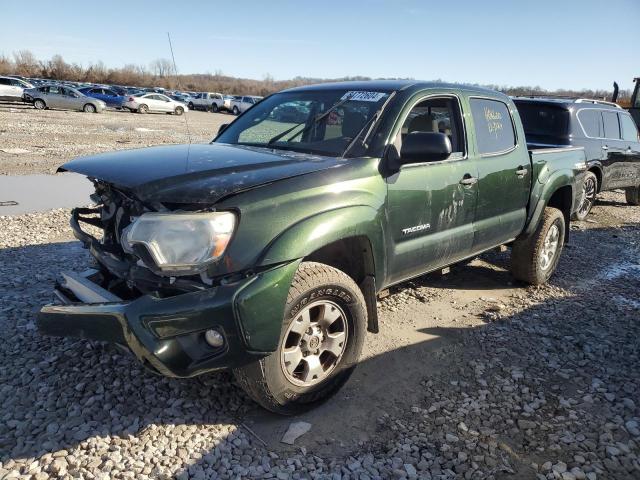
(364, 96)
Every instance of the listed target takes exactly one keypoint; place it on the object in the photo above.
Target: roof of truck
(568, 102)
(390, 85)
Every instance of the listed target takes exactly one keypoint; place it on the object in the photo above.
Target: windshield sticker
(364, 96)
(494, 121)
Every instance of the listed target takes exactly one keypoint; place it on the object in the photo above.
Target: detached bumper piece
(167, 334)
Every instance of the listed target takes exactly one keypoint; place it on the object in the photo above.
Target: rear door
(504, 172)
(431, 205)
(631, 140)
(614, 148)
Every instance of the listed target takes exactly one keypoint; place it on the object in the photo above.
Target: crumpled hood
(197, 173)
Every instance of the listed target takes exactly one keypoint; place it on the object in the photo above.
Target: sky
(548, 43)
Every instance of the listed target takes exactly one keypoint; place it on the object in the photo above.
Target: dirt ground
(34, 141)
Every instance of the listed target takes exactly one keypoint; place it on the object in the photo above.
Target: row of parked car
(94, 98)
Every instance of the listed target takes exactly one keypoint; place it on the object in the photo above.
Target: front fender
(318, 230)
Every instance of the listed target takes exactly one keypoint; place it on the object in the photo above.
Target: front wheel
(632, 195)
(89, 108)
(39, 104)
(179, 111)
(589, 190)
(321, 339)
(214, 108)
(236, 111)
(533, 260)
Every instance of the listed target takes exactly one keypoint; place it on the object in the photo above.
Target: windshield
(295, 120)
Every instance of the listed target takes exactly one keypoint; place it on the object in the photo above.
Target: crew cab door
(504, 170)
(431, 205)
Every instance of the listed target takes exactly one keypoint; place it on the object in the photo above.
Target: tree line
(160, 73)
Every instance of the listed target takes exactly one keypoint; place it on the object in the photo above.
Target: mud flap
(368, 287)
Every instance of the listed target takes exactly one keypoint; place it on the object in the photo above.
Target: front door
(431, 206)
(504, 173)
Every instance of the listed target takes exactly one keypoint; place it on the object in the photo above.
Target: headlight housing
(180, 243)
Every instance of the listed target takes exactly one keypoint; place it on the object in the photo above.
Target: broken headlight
(180, 243)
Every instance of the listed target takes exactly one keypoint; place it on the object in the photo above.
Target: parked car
(206, 101)
(241, 104)
(107, 95)
(227, 102)
(154, 102)
(64, 98)
(607, 132)
(267, 261)
(12, 88)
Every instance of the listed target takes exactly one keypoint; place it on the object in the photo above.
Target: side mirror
(420, 147)
(222, 128)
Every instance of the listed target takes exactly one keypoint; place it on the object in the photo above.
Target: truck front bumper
(168, 334)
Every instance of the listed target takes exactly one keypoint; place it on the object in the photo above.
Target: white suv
(206, 101)
(12, 88)
(241, 104)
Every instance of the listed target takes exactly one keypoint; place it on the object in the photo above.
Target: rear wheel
(589, 191)
(39, 104)
(236, 111)
(533, 260)
(143, 109)
(190, 105)
(632, 194)
(321, 339)
(179, 111)
(214, 108)
(89, 108)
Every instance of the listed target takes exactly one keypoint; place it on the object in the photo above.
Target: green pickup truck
(263, 252)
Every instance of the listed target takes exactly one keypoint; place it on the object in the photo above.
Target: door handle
(605, 147)
(468, 180)
(521, 172)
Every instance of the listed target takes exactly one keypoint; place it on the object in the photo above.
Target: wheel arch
(557, 192)
(596, 169)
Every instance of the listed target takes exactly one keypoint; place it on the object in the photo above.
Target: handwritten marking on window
(494, 121)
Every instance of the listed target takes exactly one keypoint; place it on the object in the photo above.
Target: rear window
(629, 129)
(493, 125)
(591, 121)
(543, 120)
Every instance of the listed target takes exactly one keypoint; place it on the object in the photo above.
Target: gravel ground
(34, 141)
(472, 376)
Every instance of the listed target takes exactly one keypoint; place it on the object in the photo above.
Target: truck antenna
(175, 74)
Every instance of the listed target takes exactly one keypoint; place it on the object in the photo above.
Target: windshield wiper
(317, 119)
(370, 123)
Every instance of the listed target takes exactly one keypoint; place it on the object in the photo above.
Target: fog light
(214, 338)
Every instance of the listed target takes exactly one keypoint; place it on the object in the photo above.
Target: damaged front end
(152, 290)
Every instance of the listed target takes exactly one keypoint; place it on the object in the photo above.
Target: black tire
(39, 104)
(236, 111)
(214, 108)
(143, 108)
(89, 108)
(190, 105)
(632, 194)
(179, 111)
(527, 263)
(589, 192)
(265, 380)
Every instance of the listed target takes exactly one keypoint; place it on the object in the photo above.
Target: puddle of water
(38, 193)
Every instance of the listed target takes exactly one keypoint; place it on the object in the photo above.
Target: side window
(611, 125)
(493, 126)
(591, 121)
(437, 115)
(54, 89)
(5, 81)
(629, 129)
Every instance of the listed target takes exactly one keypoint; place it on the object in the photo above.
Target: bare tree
(25, 63)
(162, 67)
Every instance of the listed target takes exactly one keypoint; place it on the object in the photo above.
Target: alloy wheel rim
(588, 196)
(314, 343)
(549, 247)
